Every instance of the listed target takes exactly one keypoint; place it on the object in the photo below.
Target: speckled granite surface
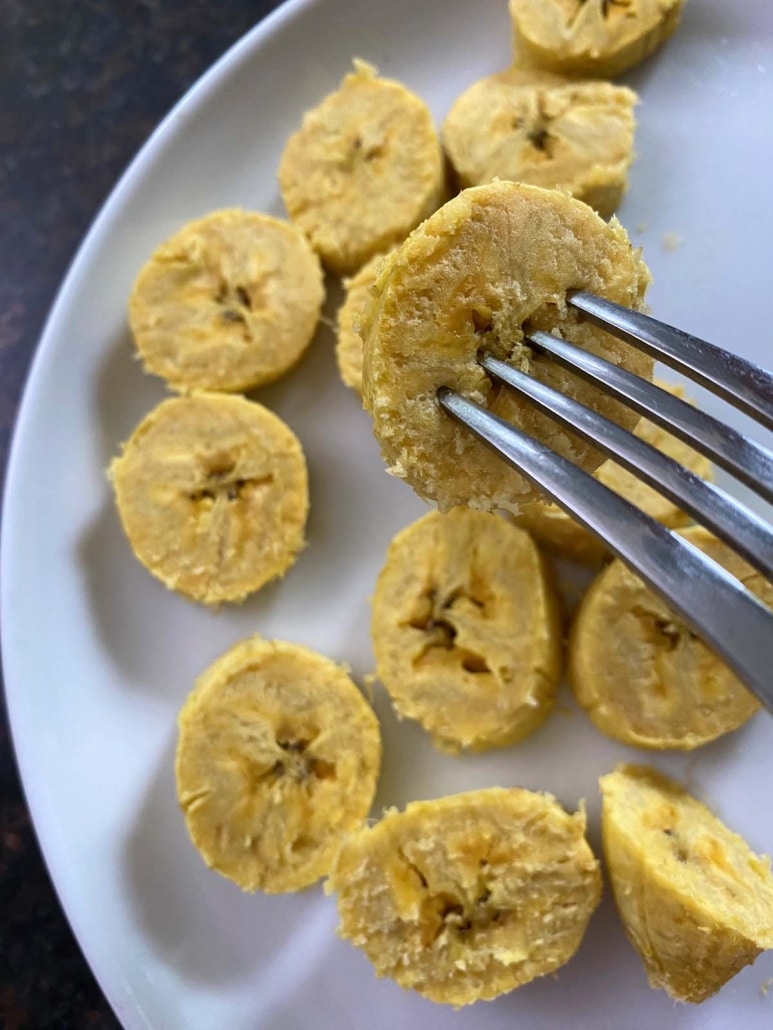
(82, 84)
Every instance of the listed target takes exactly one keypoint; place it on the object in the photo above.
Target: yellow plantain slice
(543, 129)
(212, 492)
(493, 260)
(469, 896)
(364, 168)
(696, 902)
(360, 295)
(553, 528)
(229, 303)
(466, 630)
(592, 37)
(641, 675)
(277, 756)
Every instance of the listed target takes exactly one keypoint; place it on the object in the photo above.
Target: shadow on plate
(710, 23)
(700, 25)
(147, 629)
(313, 382)
(715, 761)
(202, 925)
(155, 637)
(606, 965)
(124, 395)
(604, 962)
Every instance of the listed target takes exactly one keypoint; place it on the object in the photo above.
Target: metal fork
(715, 605)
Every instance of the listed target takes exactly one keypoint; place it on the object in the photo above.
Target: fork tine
(742, 383)
(741, 457)
(714, 605)
(739, 527)
(710, 601)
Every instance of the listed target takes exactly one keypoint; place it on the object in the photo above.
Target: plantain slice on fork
(492, 264)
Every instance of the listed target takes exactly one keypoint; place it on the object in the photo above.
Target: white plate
(99, 657)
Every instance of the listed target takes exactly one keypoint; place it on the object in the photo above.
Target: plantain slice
(212, 492)
(495, 260)
(592, 37)
(696, 902)
(534, 127)
(230, 302)
(641, 675)
(359, 296)
(365, 167)
(561, 534)
(277, 756)
(466, 630)
(469, 896)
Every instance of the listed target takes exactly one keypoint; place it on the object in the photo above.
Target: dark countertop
(82, 82)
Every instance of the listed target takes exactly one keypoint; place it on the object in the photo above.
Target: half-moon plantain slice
(696, 902)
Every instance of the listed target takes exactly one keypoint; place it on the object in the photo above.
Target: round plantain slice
(695, 901)
(365, 167)
(359, 297)
(494, 260)
(212, 492)
(641, 675)
(230, 302)
(552, 528)
(534, 127)
(278, 756)
(469, 896)
(591, 37)
(466, 630)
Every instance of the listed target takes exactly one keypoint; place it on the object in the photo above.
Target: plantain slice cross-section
(469, 896)
(495, 261)
(561, 534)
(212, 492)
(641, 675)
(591, 37)
(351, 315)
(534, 127)
(696, 902)
(365, 167)
(229, 303)
(278, 756)
(465, 630)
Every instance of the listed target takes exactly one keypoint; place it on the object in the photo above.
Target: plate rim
(252, 46)
(242, 50)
